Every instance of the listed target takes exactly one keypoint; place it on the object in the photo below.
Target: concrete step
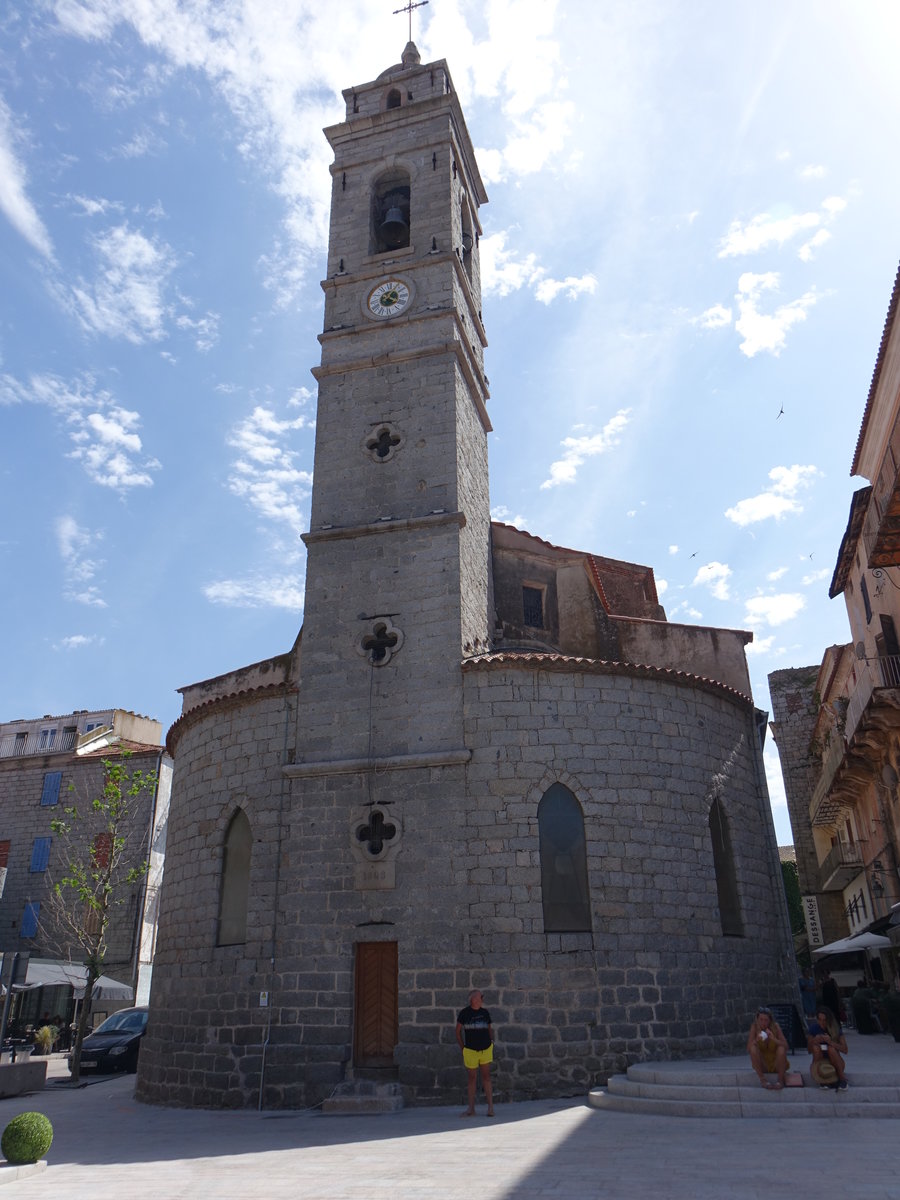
(354, 1097)
(678, 1089)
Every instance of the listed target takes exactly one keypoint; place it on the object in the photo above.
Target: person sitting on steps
(767, 1047)
(826, 1043)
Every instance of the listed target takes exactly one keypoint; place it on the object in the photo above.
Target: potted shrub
(45, 1038)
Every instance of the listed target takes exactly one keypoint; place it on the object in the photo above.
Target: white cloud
(503, 272)
(774, 576)
(779, 500)
(812, 172)
(205, 330)
(548, 289)
(77, 641)
(104, 435)
(716, 317)
(673, 549)
(760, 645)
(816, 576)
(501, 513)
(808, 249)
(765, 230)
(578, 449)
(265, 474)
(715, 576)
(94, 208)
(766, 331)
(126, 298)
(285, 591)
(773, 610)
(662, 586)
(76, 545)
(14, 202)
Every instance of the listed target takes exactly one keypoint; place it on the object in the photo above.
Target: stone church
(487, 761)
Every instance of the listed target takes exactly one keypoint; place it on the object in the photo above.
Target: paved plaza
(106, 1145)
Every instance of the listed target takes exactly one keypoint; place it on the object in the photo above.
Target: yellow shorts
(476, 1058)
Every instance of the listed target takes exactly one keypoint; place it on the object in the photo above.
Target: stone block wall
(655, 977)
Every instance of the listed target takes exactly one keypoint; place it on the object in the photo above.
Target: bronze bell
(394, 229)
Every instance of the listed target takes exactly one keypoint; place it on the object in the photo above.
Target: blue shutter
(50, 793)
(40, 854)
(30, 920)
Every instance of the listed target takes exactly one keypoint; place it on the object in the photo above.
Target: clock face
(388, 298)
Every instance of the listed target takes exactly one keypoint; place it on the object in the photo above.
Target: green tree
(100, 866)
(792, 893)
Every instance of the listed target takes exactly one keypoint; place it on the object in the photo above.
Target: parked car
(114, 1045)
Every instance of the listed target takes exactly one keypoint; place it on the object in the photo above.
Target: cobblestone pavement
(106, 1145)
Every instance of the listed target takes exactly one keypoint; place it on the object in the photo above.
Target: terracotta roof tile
(876, 374)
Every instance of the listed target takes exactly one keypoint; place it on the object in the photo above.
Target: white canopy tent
(44, 972)
(860, 941)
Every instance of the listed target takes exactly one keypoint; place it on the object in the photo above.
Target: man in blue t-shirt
(475, 1036)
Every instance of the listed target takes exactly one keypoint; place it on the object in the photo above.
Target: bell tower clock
(397, 589)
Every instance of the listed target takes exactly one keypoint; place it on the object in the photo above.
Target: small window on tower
(394, 99)
(533, 604)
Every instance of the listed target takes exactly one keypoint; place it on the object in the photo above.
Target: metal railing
(18, 745)
(841, 854)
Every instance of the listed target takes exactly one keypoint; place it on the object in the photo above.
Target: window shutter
(30, 920)
(50, 793)
(40, 854)
(4, 853)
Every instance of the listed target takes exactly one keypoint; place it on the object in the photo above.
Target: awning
(861, 941)
(43, 972)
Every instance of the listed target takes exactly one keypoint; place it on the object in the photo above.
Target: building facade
(838, 726)
(487, 761)
(47, 764)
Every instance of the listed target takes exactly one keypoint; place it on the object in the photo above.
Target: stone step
(680, 1090)
(358, 1096)
(829, 1104)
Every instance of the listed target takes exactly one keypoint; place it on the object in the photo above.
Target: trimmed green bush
(26, 1138)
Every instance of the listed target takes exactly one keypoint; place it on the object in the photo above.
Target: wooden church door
(375, 1006)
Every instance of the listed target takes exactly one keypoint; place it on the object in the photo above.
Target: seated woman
(767, 1047)
(826, 1043)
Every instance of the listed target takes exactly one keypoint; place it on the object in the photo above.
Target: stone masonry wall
(204, 1040)
(655, 977)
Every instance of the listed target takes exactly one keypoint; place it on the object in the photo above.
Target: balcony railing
(16, 745)
(882, 672)
(840, 865)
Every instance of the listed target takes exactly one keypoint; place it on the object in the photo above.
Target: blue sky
(692, 227)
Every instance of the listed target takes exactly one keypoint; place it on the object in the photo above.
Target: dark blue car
(114, 1045)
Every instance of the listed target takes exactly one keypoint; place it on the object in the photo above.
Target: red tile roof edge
(876, 374)
(230, 700)
(564, 662)
(116, 749)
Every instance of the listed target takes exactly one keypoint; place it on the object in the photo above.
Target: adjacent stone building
(837, 725)
(46, 764)
(487, 761)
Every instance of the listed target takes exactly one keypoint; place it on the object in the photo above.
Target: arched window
(564, 879)
(726, 881)
(390, 212)
(235, 883)
(394, 99)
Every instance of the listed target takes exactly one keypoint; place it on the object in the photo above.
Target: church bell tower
(397, 586)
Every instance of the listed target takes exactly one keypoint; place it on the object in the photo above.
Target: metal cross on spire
(408, 8)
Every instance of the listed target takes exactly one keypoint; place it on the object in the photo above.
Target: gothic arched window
(234, 887)
(564, 879)
(390, 212)
(726, 880)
